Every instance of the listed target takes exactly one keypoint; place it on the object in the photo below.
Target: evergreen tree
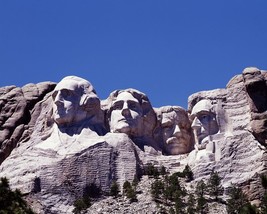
(81, 204)
(201, 189)
(151, 170)
(179, 202)
(263, 204)
(264, 181)
(114, 189)
(135, 182)
(131, 194)
(188, 174)
(157, 188)
(129, 191)
(171, 211)
(162, 170)
(12, 201)
(91, 190)
(214, 185)
(238, 202)
(191, 204)
(126, 186)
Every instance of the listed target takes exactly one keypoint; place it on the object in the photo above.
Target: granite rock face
(56, 140)
(237, 151)
(17, 116)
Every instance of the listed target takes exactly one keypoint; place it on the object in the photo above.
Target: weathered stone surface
(256, 87)
(233, 151)
(177, 136)
(59, 152)
(16, 106)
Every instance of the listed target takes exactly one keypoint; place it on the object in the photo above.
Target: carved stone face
(71, 103)
(176, 134)
(204, 120)
(126, 115)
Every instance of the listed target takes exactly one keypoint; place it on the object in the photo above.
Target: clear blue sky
(167, 49)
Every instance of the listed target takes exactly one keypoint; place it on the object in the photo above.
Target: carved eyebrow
(117, 102)
(167, 123)
(133, 101)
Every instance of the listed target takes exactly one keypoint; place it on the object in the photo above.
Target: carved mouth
(125, 120)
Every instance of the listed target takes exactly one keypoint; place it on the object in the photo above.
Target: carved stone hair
(179, 110)
(148, 112)
(85, 88)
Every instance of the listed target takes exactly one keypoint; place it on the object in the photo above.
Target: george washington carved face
(74, 100)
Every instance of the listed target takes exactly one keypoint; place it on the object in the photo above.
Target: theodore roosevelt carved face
(176, 131)
(203, 121)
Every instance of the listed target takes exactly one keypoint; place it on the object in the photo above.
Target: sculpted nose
(196, 124)
(58, 99)
(177, 130)
(125, 110)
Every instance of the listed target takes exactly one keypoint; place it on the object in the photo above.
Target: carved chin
(62, 119)
(176, 146)
(201, 136)
(122, 127)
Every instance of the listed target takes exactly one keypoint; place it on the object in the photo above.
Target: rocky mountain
(59, 141)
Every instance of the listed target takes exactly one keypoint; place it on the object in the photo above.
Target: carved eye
(133, 106)
(204, 118)
(66, 93)
(167, 125)
(117, 106)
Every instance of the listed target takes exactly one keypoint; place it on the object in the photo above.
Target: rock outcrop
(18, 111)
(56, 140)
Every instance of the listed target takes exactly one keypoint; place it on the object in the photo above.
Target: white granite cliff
(55, 140)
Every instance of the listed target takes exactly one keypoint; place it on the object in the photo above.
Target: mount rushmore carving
(63, 136)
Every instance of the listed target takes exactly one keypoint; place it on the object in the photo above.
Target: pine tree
(263, 204)
(135, 182)
(238, 202)
(191, 204)
(162, 170)
(201, 200)
(131, 194)
(214, 185)
(12, 201)
(157, 188)
(188, 174)
(264, 181)
(179, 202)
(129, 191)
(114, 189)
(126, 186)
(171, 211)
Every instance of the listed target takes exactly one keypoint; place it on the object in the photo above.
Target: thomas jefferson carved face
(204, 120)
(176, 131)
(74, 100)
(126, 115)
